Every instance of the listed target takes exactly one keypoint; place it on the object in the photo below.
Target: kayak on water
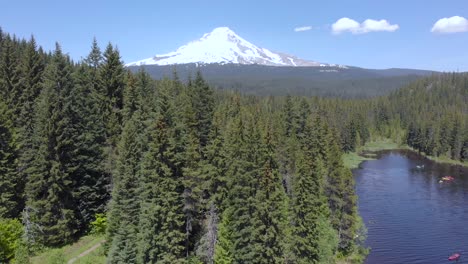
(446, 178)
(455, 256)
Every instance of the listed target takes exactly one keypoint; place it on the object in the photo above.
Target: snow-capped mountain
(223, 46)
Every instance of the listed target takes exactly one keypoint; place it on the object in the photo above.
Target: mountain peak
(222, 31)
(222, 46)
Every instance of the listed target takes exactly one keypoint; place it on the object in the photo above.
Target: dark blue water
(410, 216)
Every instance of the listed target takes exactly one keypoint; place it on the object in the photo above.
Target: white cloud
(305, 28)
(453, 24)
(369, 25)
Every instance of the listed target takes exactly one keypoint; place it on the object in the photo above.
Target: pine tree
(50, 184)
(289, 116)
(112, 77)
(131, 98)
(88, 157)
(10, 196)
(214, 167)
(243, 151)
(28, 90)
(309, 209)
(339, 189)
(303, 115)
(223, 249)
(10, 75)
(125, 203)
(161, 219)
(203, 107)
(32, 68)
(192, 195)
(270, 213)
(94, 58)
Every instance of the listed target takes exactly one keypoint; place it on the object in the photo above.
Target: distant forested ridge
(429, 115)
(327, 81)
(188, 174)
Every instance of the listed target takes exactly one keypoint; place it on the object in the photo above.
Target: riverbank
(363, 153)
(353, 159)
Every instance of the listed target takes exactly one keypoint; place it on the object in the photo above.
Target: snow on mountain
(224, 46)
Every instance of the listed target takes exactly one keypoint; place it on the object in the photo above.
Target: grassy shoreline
(353, 159)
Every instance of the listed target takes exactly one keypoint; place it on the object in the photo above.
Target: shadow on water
(410, 216)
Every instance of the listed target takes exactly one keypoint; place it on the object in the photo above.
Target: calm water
(410, 216)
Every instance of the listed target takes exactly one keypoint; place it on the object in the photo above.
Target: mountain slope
(224, 46)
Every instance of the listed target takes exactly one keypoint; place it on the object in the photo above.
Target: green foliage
(223, 248)
(56, 256)
(10, 236)
(22, 254)
(203, 105)
(112, 77)
(50, 184)
(271, 203)
(69, 252)
(328, 240)
(99, 225)
(10, 184)
(161, 220)
(87, 136)
(125, 203)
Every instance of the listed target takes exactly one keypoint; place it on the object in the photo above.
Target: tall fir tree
(10, 196)
(309, 214)
(125, 203)
(203, 107)
(10, 75)
(50, 200)
(112, 76)
(243, 142)
(29, 89)
(223, 248)
(271, 208)
(339, 189)
(161, 219)
(88, 157)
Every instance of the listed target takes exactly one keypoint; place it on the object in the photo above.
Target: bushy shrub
(10, 235)
(99, 225)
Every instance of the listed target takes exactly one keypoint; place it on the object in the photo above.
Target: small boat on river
(455, 257)
(448, 178)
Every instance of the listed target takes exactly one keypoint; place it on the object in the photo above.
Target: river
(410, 216)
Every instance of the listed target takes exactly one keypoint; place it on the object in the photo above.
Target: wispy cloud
(453, 24)
(369, 25)
(304, 28)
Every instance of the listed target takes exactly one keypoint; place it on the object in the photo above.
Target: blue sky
(141, 29)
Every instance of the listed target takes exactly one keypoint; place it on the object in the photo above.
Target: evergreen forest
(185, 173)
